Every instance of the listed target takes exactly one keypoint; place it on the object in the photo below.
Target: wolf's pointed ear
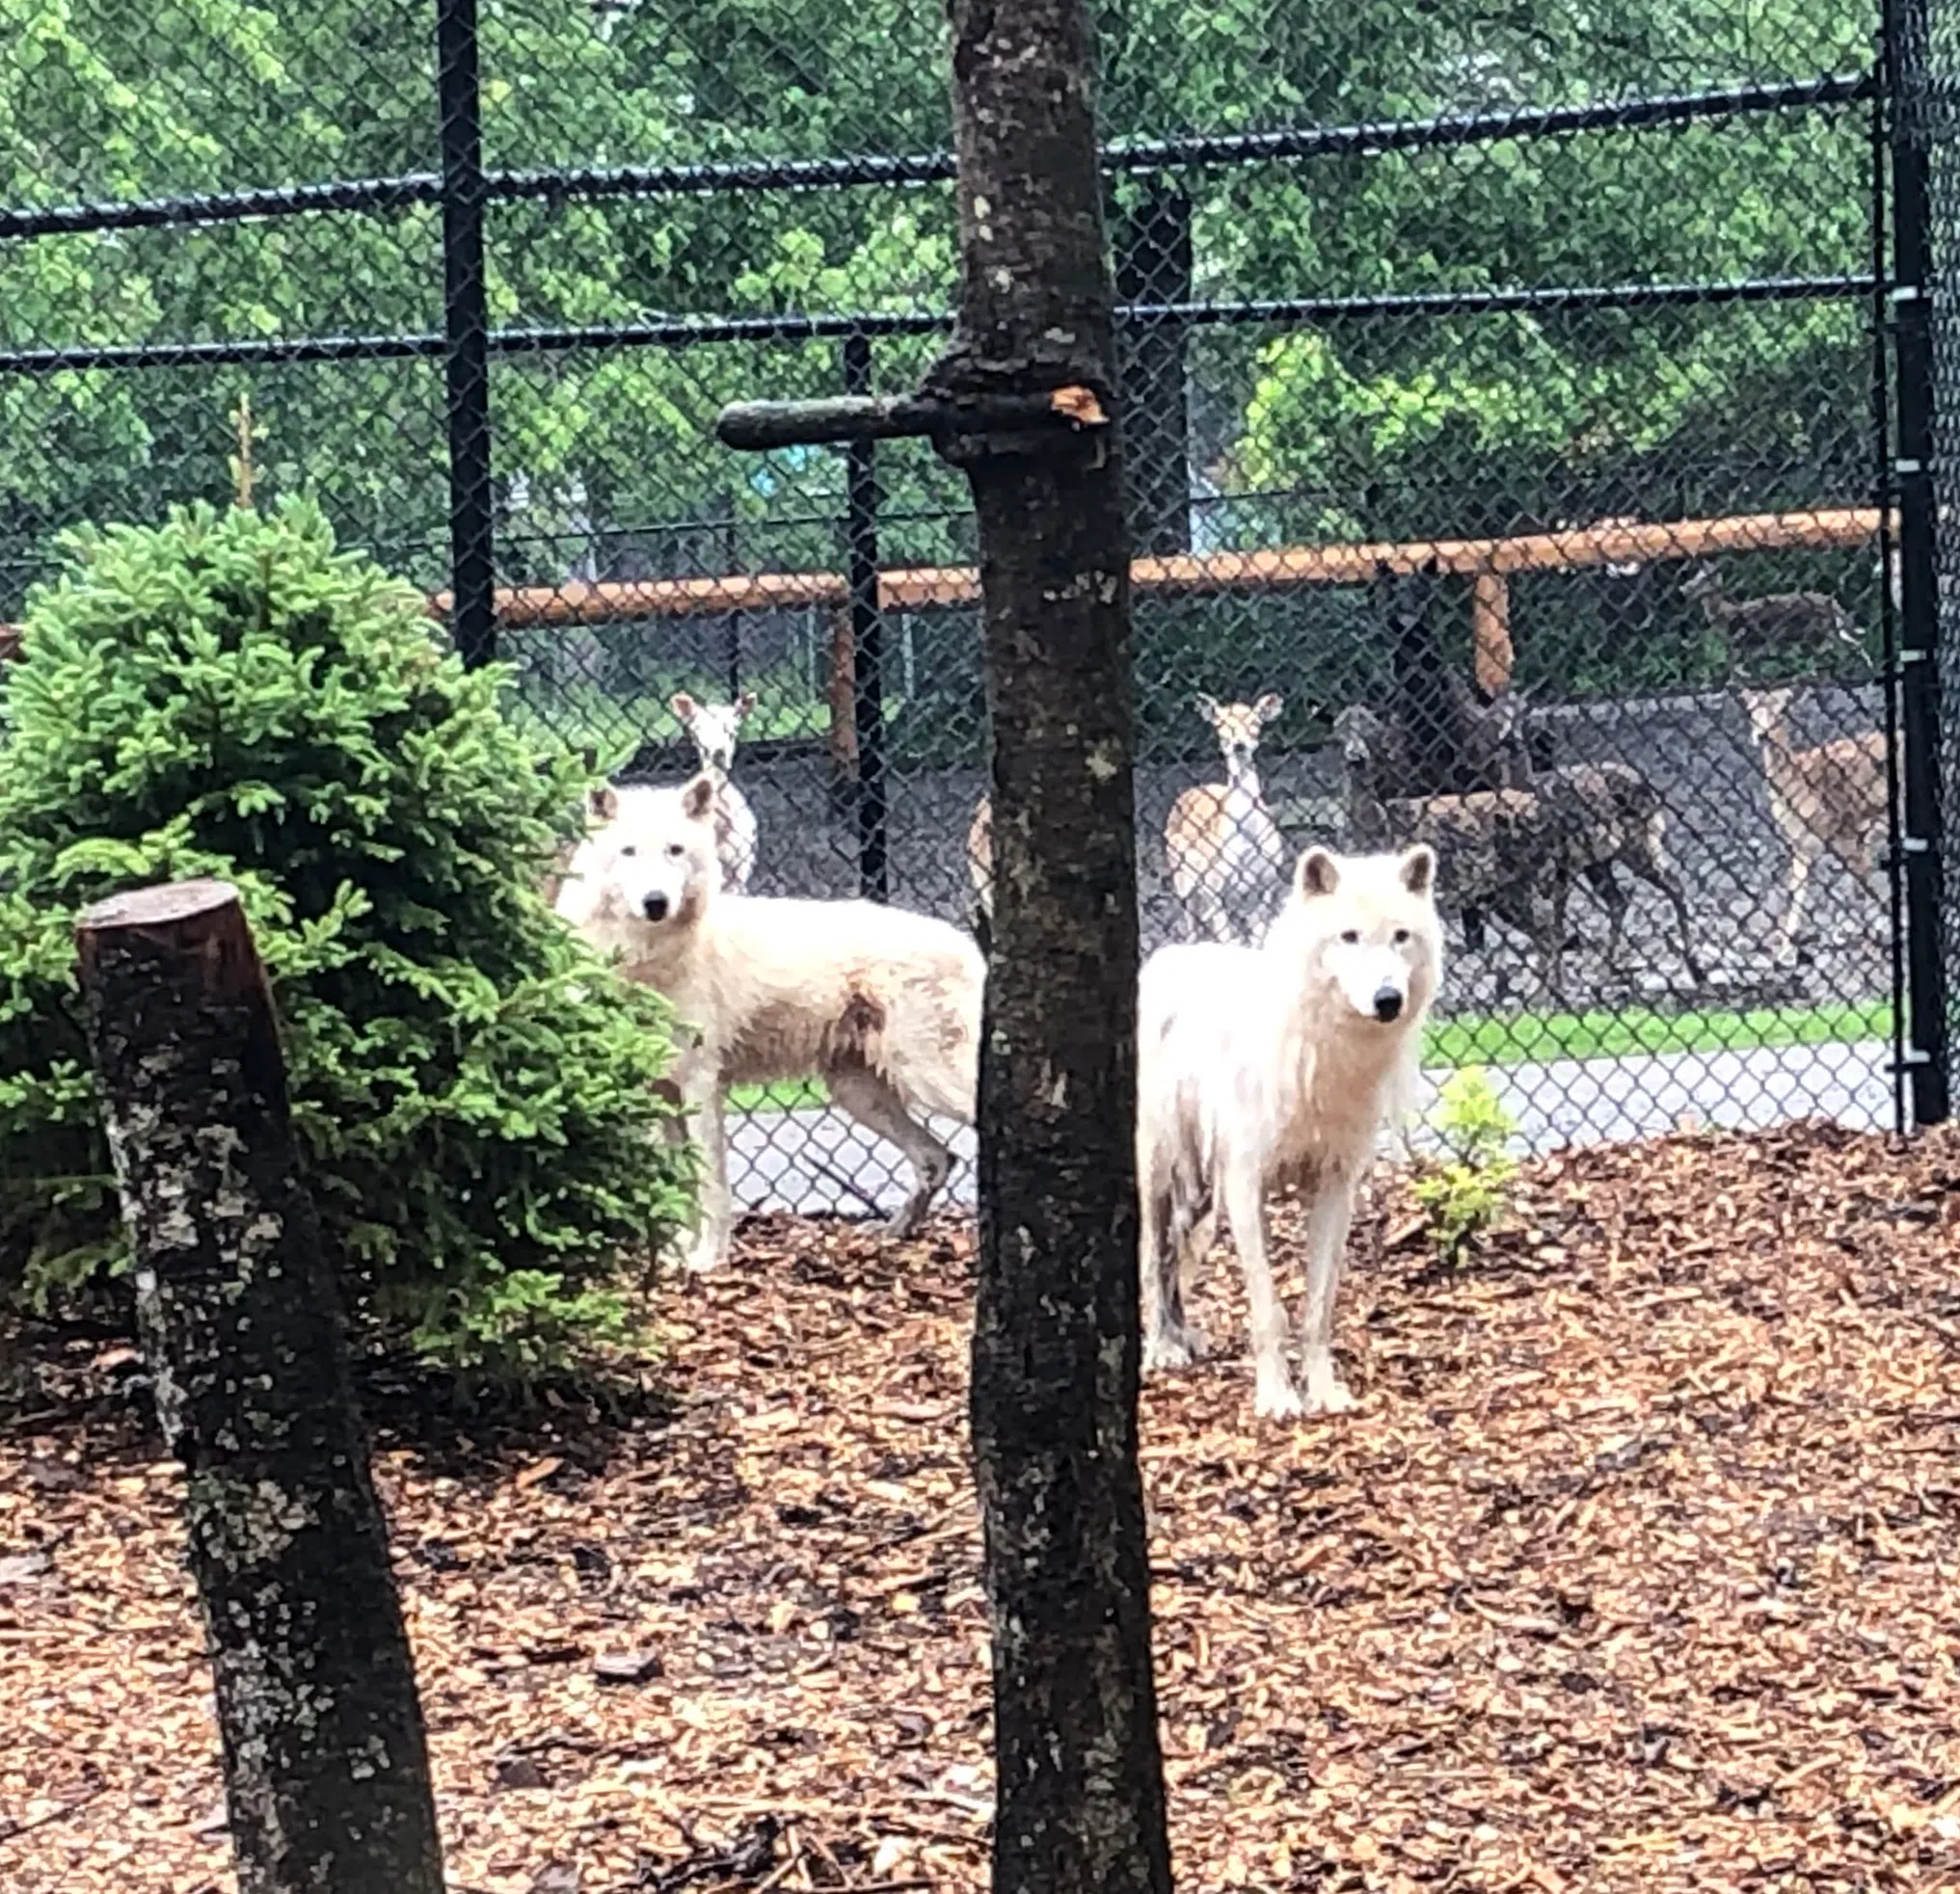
(1418, 869)
(1318, 873)
(697, 799)
(743, 705)
(602, 802)
(682, 706)
(1270, 706)
(1207, 706)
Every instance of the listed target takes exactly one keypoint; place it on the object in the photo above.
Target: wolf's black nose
(654, 908)
(1387, 1005)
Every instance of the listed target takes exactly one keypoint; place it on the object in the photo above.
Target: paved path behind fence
(813, 1161)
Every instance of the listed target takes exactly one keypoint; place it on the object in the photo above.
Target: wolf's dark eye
(628, 850)
(1402, 937)
(675, 851)
(1352, 936)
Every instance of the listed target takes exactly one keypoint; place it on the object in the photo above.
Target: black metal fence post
(1927, 1046)
(465, 321)
(1154, 269)
(868, 642)
(1883, 498)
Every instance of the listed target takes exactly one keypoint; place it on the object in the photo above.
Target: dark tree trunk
(1428, 710)
(325, 1770)
(1056, 1351)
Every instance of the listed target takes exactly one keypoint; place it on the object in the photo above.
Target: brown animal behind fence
(1784, 621)
(1496, 849)
(1824, 798)
(1221, 843)
(1606, 817)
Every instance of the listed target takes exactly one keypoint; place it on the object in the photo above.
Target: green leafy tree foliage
(1389, 425)
(228, 695)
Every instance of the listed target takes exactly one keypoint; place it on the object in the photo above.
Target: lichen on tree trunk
(1056, 1353)
(326, 1769)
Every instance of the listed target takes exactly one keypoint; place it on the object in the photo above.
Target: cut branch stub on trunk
(960, 425)
(326, 1769)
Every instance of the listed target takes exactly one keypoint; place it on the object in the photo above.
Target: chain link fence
(1925, 44)
(1511, 399)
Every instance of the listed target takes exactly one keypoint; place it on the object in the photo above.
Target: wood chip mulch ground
(1637, 1569)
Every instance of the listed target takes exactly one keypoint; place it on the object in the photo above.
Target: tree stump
(326, 1768)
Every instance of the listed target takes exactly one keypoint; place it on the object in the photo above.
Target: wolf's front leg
(706, 1110)
(1275, 1396)
(1326, 1244)
(1168, 1244)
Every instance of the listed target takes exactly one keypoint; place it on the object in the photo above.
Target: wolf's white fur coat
(1259, 1067)
(882, 1004)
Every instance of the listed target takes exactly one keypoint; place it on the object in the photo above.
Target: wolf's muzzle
(1387, 1005)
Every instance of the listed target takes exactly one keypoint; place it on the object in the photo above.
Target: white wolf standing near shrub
(882, 1004)
(1259, 1066)
(227, 693)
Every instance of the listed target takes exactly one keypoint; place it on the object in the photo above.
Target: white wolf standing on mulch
(1264, 1066)
(882, 1004)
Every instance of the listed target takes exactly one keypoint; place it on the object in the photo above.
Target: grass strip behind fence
(1537, 1038)
(1534, 1039)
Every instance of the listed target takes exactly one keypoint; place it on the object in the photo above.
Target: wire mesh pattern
(1927, 56)
(1509, 408)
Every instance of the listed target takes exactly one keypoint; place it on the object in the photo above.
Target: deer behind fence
(1824, 798)
(1224, 847)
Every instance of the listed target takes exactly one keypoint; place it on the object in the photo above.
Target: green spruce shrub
(226, 694)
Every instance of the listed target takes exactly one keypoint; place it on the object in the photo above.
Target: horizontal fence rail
(705, 331)
(384, 195)
(901, 589)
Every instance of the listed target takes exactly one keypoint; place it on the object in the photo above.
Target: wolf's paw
(904, 1222)
(1326, 1393)
(1329, 1398)
(1172, 1348)
(1277, 1400)
(704, 1255)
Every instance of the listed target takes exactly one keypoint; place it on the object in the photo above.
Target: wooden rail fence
(1488, 562)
